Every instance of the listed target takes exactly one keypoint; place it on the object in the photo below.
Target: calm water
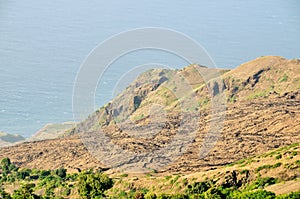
(43, 43)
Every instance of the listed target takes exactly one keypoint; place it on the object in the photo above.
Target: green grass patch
(244, 171)
(258, 94)
(139, 117)
(284, 78)
(268, 166)
(124, 175)
(232, 99)
(174, 179)
(262, 182)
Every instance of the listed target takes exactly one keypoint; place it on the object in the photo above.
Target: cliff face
(261, 101)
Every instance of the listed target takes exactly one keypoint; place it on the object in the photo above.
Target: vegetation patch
(284, 78)
(268, 166)
(258, 94)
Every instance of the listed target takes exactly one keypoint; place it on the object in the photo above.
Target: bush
(150, 195)
(139, 195)
(174, 180)
(262, 182)
(293, 195)
(245, 171)
(124, 175)
(44, 173)
(259, 194)
(25, 192)
(23, 173)
(268, 166)
(213, 193)
(61, 172)
(198, 187)
(92, 185)
(5, 165)
(278, 157)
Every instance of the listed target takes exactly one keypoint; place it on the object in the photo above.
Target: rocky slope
(276, 171)
(262, 100)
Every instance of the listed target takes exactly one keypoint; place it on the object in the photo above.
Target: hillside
(262, 113)
(282, 165)
(267, 174)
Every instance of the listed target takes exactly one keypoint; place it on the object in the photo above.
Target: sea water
(43, 43)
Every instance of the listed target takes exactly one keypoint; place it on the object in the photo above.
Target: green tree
(23, 173)
(198, 187)
(213, 193)
(44, 173)
(25, 192)
(5, 165)
(61, 172)
(92, 185)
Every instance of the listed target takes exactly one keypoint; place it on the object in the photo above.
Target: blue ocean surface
(43, 44)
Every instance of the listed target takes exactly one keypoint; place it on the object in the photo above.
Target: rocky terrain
(255, 108)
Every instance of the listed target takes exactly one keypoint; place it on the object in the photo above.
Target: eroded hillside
(262, 100)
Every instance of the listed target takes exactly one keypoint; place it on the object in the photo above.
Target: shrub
(278, 156)
(262, 182)
(61, 172)
(174, 180)
(294, 153)
(92, 185)
(5, 165)
(122, 194)
(124, 175)
(25, 192)
(139, 195)
(213, 193)
(245, 171)
(150, 195)
(268, 166)
(185, 181)
(278, 164)
(23, 173)
(198, 187)
(44, 173)
(259, 194)
(293, 195)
